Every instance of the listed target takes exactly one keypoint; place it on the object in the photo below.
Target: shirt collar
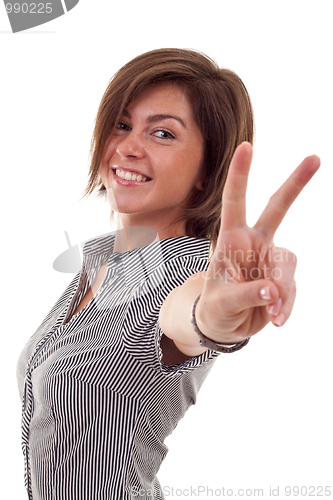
(100, 249)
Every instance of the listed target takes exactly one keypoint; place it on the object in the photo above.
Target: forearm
(175, 314)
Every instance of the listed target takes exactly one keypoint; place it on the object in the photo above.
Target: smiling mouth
(130, 176)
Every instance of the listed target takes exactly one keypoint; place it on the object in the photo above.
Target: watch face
(23, 15)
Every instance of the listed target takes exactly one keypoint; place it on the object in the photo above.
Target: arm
(174, 318)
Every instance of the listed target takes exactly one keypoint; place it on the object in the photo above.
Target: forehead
(163, 97)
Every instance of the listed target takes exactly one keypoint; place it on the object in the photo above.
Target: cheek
(110, 150)
(104, 165)
(190, 166)
(103, 172)
(106, 157)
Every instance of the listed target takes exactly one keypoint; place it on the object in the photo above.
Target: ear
(201, 183)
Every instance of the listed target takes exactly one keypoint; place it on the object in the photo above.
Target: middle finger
(282, 199)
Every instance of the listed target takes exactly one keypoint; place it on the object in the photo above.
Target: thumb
(253, 294)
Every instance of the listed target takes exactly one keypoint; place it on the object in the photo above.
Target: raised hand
(250, 282)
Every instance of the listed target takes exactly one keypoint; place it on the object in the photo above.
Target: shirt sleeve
(188, 365)
(142, 333)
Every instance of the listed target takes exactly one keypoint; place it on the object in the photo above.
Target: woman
(122, 354)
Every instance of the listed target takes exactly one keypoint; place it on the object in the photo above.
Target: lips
(129, 182)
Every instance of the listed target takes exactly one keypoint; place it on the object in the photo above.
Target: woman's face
(157, 138)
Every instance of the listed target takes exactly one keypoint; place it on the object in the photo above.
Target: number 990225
(311, 491)
(29, 8)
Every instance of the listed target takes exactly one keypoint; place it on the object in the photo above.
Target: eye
(122, 126)
(163, 134)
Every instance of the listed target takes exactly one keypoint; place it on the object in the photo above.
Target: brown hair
(222, 109)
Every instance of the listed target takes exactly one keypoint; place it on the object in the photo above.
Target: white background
(264, 415)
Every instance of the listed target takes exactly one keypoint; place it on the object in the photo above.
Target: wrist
(208, 342)
(203, 318)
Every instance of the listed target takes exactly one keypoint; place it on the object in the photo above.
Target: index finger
(234, 192)
(283, 198)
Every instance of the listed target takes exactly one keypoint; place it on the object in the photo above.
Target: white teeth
(130, 177)
(120, 173)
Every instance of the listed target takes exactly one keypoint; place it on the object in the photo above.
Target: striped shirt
(97, 399)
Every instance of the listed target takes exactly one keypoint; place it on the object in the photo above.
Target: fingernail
(279, 320)
(274, 309)
(265, 293)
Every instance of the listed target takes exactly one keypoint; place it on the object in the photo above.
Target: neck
(131, 234)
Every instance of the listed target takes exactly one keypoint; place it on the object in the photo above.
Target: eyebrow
(156, 118)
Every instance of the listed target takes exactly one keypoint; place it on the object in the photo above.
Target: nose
(131, 146)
